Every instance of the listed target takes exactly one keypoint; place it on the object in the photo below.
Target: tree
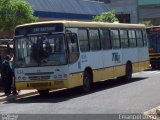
(13, 13)
(106, 17)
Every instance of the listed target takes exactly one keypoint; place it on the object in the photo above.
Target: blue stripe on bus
(62, 15)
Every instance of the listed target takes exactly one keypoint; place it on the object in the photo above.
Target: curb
(13, 97)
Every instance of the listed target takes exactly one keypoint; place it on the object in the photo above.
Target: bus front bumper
(42, 85)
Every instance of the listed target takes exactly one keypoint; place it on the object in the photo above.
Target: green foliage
(147, 23)
(13, 13)
(106, 17)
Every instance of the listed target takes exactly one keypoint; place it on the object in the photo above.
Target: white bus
(67, 54)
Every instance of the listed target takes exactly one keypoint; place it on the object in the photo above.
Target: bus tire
(87, 81)
(128, 71)
(43, 92)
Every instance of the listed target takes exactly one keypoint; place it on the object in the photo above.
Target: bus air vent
(39, 77)
(35, 85)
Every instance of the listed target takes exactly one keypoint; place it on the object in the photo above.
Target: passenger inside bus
(47, 48)
(34, 48)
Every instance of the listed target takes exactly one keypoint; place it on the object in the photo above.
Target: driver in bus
(48, 48)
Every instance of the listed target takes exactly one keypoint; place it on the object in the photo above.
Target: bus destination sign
(37, 29)
(43, 29)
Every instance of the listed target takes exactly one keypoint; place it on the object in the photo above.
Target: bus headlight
(19, 77)
(55, 76)
(24, 78)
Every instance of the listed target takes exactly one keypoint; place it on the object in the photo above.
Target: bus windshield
(154, 43)
(40, 50)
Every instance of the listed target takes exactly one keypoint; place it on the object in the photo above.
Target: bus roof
(87, 24)
(158, 26)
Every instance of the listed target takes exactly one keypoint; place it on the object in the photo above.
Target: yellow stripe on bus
(77, 78)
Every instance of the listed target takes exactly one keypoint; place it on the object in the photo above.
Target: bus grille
(34, 85)
(39, 77)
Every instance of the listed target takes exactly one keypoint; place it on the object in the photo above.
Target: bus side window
(115, 39)
(145, 39)
(139, 38)
(73, 47)
(124, 38)
(94, 39)
(105, 39)
(83, 40)
(132, 38)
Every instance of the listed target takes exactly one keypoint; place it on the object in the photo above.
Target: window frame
(139, 37)
(91, 41)
(112, 40)
(145, 37)
(135, 43)
(84, 40)
(126, 39)
(109, 39)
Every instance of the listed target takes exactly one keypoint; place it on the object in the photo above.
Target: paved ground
(137, 96)
(21, 93)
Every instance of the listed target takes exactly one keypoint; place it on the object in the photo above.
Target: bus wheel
(128, 75)
(43, 92)
(87, 81)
